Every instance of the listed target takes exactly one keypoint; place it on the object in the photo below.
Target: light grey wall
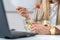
(8, 5)
(15, 21)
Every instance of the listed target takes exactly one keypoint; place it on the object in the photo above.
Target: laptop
(4, 27)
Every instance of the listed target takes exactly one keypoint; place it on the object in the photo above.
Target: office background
(15, 21)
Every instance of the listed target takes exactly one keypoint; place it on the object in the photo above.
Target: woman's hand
(23, 11)
(40, 29)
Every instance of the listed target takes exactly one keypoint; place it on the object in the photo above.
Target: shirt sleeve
(58, 26)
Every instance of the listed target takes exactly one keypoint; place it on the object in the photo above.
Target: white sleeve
(58, 26)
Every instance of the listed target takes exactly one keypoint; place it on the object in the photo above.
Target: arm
(23, 12)
(57, 29)
(41, 29)
(57, 32)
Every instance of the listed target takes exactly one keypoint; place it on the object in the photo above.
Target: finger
(35, 31)
(21, 12)
(33, 25)
(32, 29)
(19, 7)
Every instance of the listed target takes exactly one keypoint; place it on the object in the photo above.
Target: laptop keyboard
(18, 34)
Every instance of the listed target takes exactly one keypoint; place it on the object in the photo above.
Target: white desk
(38, 37)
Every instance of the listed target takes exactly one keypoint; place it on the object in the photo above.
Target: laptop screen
(4, 29)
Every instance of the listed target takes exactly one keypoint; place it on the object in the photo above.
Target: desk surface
(38, 37)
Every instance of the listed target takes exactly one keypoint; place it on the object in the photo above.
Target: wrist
(57, 31)
(27, 18)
